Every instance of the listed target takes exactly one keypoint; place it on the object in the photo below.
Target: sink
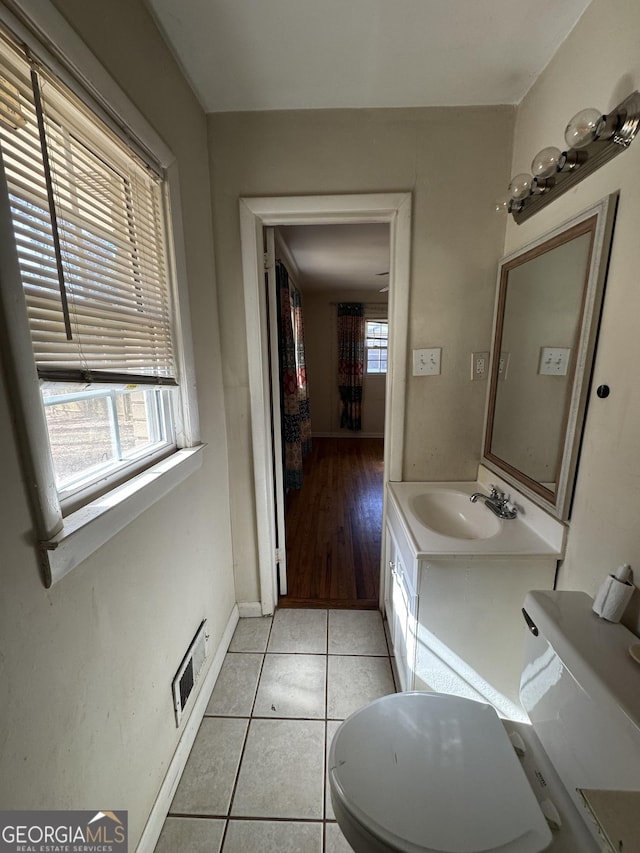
(451, 513)
(439, 520)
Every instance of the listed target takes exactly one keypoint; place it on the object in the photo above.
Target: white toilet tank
(581, 690)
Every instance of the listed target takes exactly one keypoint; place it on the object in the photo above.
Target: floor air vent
(187, 675)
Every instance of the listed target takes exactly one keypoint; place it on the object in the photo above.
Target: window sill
(89, 528)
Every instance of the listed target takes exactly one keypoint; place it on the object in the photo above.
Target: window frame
(96, 481)
(64, 541)
(367, 347)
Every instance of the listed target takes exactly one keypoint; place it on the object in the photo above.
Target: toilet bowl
(435, 773)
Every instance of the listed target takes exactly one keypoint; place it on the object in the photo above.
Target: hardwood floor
(334, 526)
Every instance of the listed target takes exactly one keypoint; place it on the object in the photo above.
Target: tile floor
(255, 781)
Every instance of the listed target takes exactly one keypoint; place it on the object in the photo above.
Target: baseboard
(153, 827)
(347, 433)
(249, 609)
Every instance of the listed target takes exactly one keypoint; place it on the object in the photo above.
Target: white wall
(452, 160)
(598, 65)
(321, 336)
(86, 717)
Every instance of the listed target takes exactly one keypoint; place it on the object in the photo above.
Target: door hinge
(280, 555)
(268, 263)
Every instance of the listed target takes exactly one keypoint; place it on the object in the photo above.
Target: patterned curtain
(351, 333)
(296, 420)
(301, 371)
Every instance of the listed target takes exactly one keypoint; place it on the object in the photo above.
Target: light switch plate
(426, 362)
(554, 361)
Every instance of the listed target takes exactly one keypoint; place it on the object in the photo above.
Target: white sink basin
(439, 519)
(451, 513)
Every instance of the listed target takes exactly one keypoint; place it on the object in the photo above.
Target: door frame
(275, 388)
(255, 214)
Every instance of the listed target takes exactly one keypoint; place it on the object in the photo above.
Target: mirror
(546, 322)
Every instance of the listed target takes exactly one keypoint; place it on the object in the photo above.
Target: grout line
(197, 816)
(325, 763)
(312, 654)
(244, 743)
(387, 634)
(325, 756)
(326, 677)
(254, 819)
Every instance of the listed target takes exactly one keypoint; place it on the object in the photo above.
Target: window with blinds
(88, 222)
(89, 228)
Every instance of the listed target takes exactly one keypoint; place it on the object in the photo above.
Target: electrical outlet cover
(479, 365)
(503, 365)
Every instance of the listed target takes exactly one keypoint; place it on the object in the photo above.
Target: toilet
(436, 773)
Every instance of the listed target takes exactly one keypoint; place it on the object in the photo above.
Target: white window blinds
(89, 229)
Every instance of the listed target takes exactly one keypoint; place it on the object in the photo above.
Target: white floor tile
(207, 781)
(235, 688)
(197, 835)
(332, 728)
(292, 686)
(353, 681)
(356, 632)
(299, 630)
(247, 836)
(251, 635)
(335, 842)
(282, 771)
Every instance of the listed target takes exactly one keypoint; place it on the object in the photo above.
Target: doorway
(255, 214)
(333, 461)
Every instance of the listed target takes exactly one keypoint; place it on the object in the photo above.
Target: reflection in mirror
(541, 321)
(548, 304)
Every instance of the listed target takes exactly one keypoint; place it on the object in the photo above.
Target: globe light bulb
(545, 163)
(584, 128)
(501, 205)
(520, 186)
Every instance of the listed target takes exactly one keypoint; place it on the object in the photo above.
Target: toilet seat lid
(433, 772)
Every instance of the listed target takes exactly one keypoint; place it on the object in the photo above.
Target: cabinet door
(390, 562)
(404, 624)
(400, 604)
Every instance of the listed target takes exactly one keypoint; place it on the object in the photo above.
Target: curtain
(301, 371)
(294, 398)
(351, 334)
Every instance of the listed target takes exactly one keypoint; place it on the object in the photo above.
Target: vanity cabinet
(400, 601)
(454, 619)
(469, 626)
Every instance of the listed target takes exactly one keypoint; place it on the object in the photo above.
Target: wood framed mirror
(546, 319)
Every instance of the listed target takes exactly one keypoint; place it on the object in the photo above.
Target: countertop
(515, 537)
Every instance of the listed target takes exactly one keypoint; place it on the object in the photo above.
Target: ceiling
(317, 54)
(320, 54)
(345, 257)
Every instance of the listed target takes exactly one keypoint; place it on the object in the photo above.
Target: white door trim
(273, 298)
(256, 213)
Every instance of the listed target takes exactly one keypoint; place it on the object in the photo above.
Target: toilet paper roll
(612, 598)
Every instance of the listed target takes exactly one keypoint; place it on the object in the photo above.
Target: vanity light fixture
(592, 140)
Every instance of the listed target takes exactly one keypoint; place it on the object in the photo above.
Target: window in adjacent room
(376, 344)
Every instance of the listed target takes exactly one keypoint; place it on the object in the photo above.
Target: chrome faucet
(499, 503)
